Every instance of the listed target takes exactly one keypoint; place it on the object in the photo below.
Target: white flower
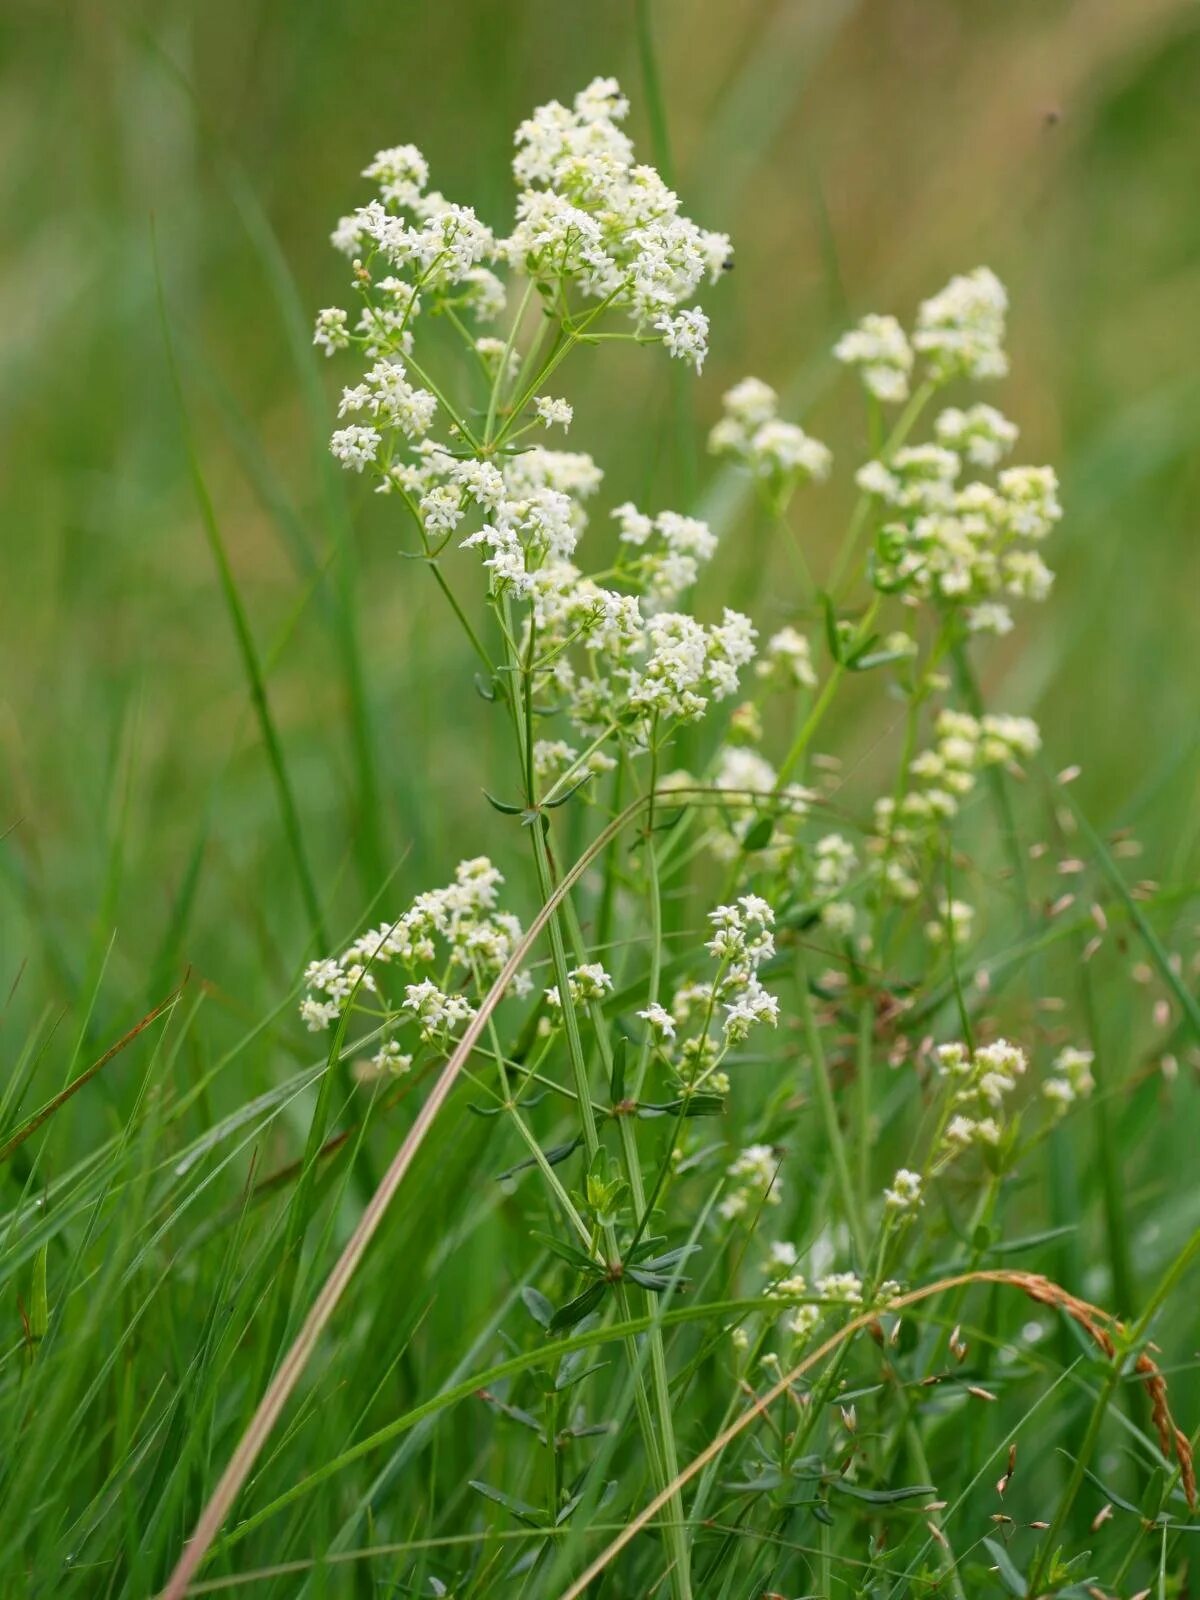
(750, 402)
(552, 757)
(753, 1006)
(685, 335)
(981, 435)
(662, 1023)
(331, 332)
(990, 617)
(755, 1175)
(492, 352)
(845, 1286)
(788, 657)
(835, 859)
(770, 447)
(784, 449)
(955, 917)
(355, 446)
(588, 982)
(803, 1321)
(554, 413)
(1029, 501)
(1074, 1080)
(391, 1059)
(484, 293)
(905, 1192)
(879, 349)
(317, 1015)
(401, 165)
(961, 330)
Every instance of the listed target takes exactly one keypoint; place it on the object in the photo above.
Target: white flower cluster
(705, 1020)
(846, 1287)
(981, 1082)
(754, 1178)
(879, 348)
(587, 982)
(752, 432)
(834, 860)
(1072, 1078)
(555, 758)
(954, 922)
(957, 543)
(686, 664)
(457, 927)
(554, 413)
(741, 942)
(590, 216)
(941, 777)
(835, 1289)
(981, 435)
(963, 544)
(905, 1192)
(670, 550)
(786, 660)
(960, 333)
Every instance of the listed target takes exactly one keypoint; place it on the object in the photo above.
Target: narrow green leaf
(504, 806)
(1010, 1577)
(575, 1310)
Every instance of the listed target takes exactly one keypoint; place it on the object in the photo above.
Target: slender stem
(863, 1063)
(659, 1377)
(502, 368)
(829, 1116)
(654, 897)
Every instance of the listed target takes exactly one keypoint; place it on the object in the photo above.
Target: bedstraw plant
(746, 1044)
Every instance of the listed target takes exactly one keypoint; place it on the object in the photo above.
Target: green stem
(828, 1109)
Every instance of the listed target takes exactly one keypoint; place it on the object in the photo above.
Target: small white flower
(554, 413)
(662, 1023)
(391, 1059)
(317, 1015)
(685, 335)
(879, 349)
(845, 1286)
(331, 332)
(788, 657)
(905, 1192)
(355, 447)
(961, 330)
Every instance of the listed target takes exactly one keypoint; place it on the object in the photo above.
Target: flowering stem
(654, 895)
(502, 367)
(863, 1064)
(510, 1106)
(660, 1381)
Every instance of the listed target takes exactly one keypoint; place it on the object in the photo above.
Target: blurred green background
(858, 154)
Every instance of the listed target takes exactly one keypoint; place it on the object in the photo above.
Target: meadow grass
(237, 729)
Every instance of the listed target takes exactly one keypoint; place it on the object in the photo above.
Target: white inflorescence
(755, 435)
(455, 929)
